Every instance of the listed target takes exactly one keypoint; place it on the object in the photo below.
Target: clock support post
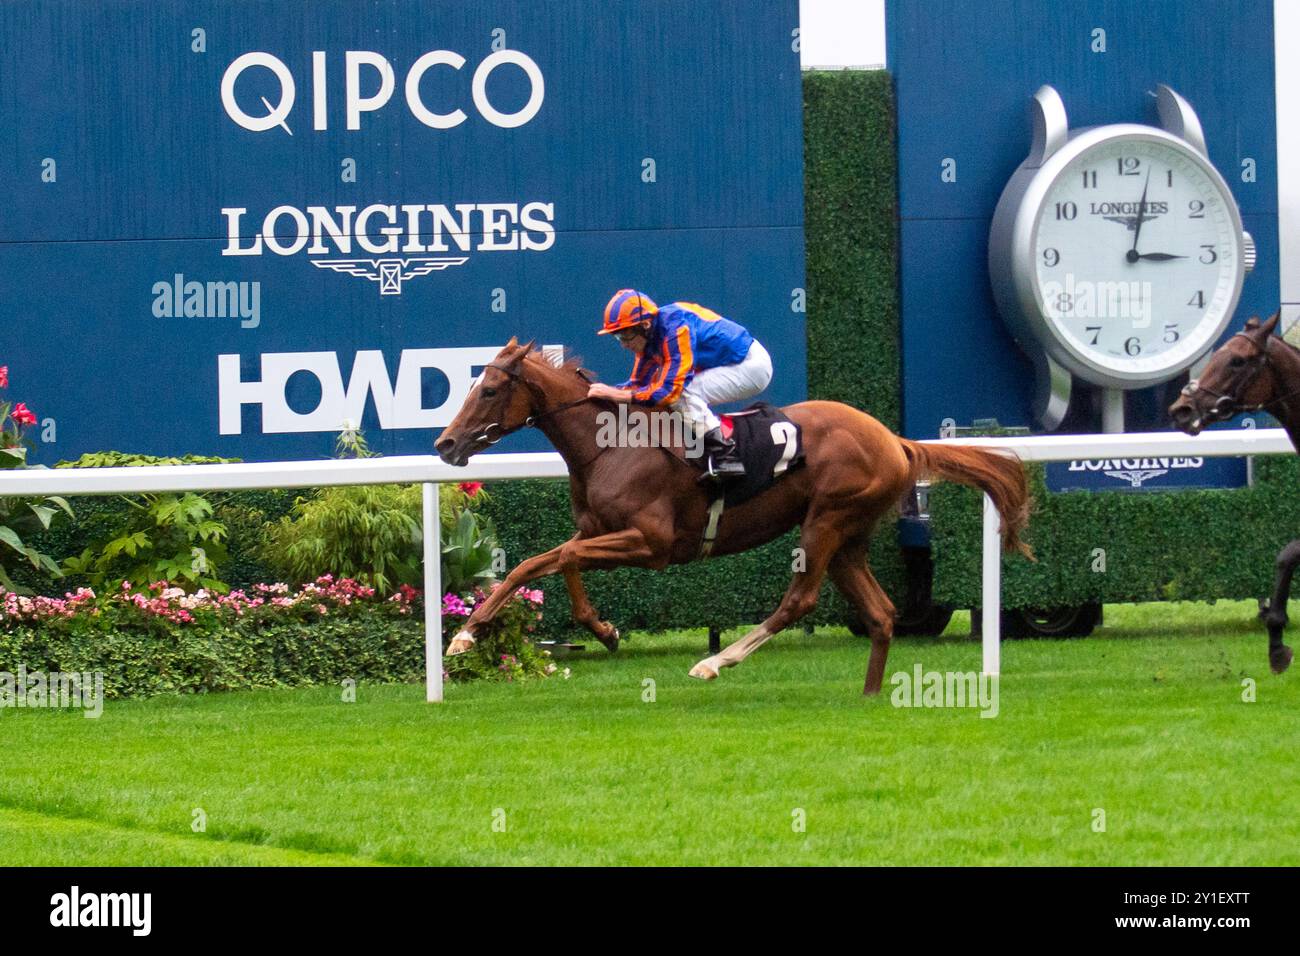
(1052, 387)
(1112, 411)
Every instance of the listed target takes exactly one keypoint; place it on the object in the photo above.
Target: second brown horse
(644, 508)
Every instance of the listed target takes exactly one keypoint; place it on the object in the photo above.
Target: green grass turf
(1145, 721)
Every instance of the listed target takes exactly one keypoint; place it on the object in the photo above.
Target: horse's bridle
(1225, 406)
(532, 421)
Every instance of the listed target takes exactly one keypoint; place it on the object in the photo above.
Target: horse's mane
(572, 362)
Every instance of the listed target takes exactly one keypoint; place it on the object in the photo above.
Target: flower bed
(160, 639)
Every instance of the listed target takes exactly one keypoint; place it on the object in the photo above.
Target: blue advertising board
(228, 227)
(964, 75)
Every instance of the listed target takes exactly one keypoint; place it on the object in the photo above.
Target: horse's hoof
(704, 672)
(1280, 659)
(609, 638)
(462, 642)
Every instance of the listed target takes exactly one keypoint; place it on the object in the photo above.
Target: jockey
(687, 358)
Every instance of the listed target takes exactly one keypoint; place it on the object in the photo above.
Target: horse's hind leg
(1279, 655)
(855, 581)
(819, 540)
(585, 614)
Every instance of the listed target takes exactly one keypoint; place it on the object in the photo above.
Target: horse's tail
(999, 474)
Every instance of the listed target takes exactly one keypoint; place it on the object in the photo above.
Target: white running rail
(429, 470)
(1219, 443)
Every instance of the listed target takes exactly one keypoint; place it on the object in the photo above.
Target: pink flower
(4, 376)
(22, 415)
(454, 606)
(470, 488)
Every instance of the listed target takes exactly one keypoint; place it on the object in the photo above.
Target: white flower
(566, 673)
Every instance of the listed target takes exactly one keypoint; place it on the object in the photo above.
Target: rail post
(432, 595)
(992, 588)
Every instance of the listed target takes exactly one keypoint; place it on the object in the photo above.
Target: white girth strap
(711, 529)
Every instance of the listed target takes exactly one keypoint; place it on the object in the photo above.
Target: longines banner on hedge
(228, 227)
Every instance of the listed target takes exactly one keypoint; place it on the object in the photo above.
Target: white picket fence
(429, 471)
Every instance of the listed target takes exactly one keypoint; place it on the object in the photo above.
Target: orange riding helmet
(626, 309)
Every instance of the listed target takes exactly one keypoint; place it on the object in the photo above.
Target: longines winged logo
(390, 273)
(386, 231)
(1136, 476)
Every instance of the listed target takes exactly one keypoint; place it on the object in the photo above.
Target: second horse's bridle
(1225, 405)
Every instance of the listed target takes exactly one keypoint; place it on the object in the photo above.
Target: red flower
(22, 415)
(4, 376)
(470, 487)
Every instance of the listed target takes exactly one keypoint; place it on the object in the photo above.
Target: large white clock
(1116, 253)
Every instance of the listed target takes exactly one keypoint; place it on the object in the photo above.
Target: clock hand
(1137, 228)
(1155, 256)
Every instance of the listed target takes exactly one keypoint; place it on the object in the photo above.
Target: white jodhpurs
(726, 383)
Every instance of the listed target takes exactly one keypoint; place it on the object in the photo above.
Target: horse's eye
(489, 392)
(1237, 361)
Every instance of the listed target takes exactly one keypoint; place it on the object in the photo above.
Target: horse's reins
(1225, 406)
(531, 421)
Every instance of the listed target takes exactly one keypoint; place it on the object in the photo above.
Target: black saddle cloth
(769, 444)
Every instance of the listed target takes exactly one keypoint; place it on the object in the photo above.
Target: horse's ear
(1268, 327)
(1252, 323)
(519, 353)
(529, 347)
(512, 344)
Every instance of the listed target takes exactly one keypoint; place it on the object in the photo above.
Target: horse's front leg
(629, 546)
(586, 615)
(1279, 655)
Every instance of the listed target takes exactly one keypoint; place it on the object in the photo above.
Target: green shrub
(367, 532)
(171, 536)
(469, 552)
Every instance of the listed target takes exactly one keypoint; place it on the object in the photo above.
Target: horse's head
(500, 403)
(1237, 378)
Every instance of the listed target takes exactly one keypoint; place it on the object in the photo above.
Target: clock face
(1136, 249)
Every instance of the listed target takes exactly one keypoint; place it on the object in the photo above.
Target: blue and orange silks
(684, 338)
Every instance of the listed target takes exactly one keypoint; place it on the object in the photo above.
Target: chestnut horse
(1253, 371)
(645, 508)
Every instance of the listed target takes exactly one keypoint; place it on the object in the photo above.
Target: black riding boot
(724, 462)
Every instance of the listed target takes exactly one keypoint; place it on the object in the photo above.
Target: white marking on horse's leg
(706, 669)
(739, 650)
(462, 642)
(735, 652)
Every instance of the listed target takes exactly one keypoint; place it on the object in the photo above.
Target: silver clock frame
(1014, 232)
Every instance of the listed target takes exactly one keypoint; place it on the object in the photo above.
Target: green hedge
(851, 224)
(142, 660)
(1171, 545)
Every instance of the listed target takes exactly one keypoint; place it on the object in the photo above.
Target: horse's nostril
(445, 444)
